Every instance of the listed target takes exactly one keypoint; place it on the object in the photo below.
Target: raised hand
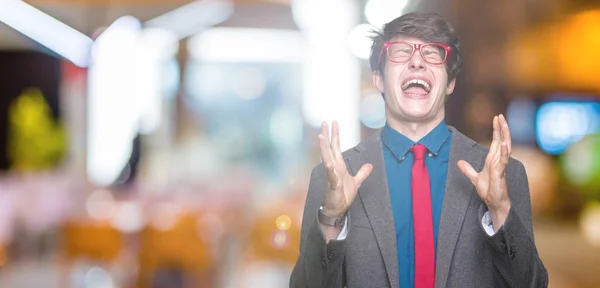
(342, 187)
(490, 183)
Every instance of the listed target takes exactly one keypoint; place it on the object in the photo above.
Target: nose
(416, 62)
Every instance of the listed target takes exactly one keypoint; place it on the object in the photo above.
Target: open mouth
(418, 87)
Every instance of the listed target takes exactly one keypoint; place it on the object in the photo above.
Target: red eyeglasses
(401, 52)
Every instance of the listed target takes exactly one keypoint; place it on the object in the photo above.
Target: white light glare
(247, 45)
(46, 30)
(359, 41)
(380, 12)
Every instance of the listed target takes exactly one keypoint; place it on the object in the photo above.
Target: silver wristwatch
(330, 221)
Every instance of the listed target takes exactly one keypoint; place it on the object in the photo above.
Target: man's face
(414, 90)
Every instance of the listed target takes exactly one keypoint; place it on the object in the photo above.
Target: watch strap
(330, 221)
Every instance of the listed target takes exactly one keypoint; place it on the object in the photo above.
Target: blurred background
(155, 143)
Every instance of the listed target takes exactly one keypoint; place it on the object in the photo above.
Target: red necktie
(423, 221)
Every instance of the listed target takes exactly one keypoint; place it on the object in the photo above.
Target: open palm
(490, 183)
(342, 187)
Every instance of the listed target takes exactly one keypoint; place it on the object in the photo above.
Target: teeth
(416, 81)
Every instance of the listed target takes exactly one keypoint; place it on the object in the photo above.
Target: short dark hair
(429, 27)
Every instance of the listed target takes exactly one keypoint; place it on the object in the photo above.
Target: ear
(378, 82)
(450, 87)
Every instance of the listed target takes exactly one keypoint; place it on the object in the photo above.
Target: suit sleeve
(319, 264)
(514, 254)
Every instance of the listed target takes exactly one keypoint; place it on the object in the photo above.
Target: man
(406, 207)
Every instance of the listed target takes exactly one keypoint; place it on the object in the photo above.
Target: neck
(413, 130)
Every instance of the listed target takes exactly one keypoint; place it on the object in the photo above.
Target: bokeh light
(100, 205)
(559, 124)
(283, 222)
(98, 278)
(372, 111)
(590, 217)
(581, 165)
(280, 239)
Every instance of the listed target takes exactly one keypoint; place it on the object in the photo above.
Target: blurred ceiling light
(380, 12)
(191, 18)
(123, 23)
(159, 43)
(331, 74)
(359, 41)
(113, 118)
(46, 30)
(247, 45)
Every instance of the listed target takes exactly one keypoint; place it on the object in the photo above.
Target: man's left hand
(490, 183)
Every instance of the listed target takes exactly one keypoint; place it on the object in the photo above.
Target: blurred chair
(179, 249)
(90, 240)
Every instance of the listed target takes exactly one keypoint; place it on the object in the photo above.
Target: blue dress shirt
(398, 164)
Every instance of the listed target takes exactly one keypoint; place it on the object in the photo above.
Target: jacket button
(503, 247)
(512, 253)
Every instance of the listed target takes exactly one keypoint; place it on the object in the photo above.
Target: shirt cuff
(344, 231)
(486, 222)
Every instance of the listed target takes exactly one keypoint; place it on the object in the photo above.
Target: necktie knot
(419, 151)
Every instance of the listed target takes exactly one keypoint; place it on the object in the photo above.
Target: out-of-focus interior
(155, 143)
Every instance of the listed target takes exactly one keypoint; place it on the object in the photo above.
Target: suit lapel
(457, 195)
(374, 193)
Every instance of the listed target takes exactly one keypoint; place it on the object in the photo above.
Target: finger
(363, 173)
(325, 130)
(335, 145)
(324, 149)
(492, 153)
(504, 154)
(497, 136)
(325, 133)
(331, 176)
(468, 170)
(506, 133)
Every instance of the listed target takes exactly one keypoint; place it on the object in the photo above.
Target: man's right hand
(342, 187)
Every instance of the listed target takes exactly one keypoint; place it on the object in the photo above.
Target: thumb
(363, 173)
(468, 170)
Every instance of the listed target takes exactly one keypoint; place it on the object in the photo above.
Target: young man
(406, 207)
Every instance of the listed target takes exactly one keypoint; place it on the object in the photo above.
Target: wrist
(334, 213)
(499, 216)
(500, 209)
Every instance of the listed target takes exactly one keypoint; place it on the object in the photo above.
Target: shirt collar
(399, 144)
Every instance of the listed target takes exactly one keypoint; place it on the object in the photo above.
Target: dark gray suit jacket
(466, 256)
